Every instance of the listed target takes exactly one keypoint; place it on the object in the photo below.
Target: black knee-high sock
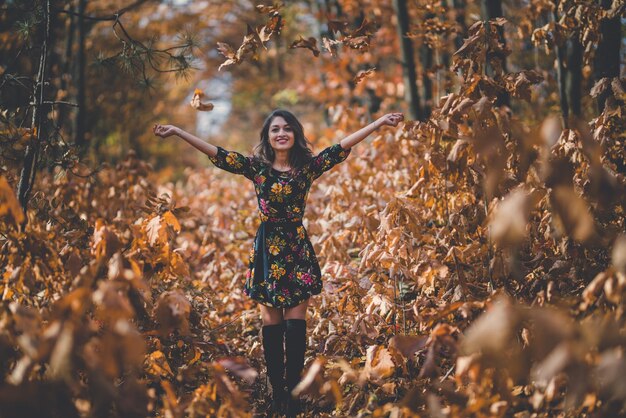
(295, 346)
(274, 352)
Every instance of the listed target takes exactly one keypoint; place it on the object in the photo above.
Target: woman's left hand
(390, 119)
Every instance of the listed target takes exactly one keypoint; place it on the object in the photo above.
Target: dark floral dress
(283, 269)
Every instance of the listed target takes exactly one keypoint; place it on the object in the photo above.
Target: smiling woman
(283, 145)
(283, 271)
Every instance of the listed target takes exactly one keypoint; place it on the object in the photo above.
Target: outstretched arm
(390, 119)
(168, 130)
(230, 161)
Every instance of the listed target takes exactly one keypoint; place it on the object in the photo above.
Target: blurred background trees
(87, 79)
(509, 176)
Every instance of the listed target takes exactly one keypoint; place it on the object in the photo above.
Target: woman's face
(280, 134)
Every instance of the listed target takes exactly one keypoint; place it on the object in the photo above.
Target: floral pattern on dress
(292, 273)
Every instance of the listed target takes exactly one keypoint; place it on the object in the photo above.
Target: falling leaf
(363, 74)
(196, 102)
(227, 51)
(331, 45)
(269, 10)
(338, 26)
(309, 43)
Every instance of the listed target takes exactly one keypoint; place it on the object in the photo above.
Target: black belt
(261, 263)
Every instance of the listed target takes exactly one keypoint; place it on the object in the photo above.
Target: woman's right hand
(165, 130)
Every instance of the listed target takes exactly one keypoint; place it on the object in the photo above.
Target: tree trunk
(80, 80)
(63, 111)
(40, 111)
(426, 58)
(560, 76)
(408, 61)
(492, 9)
(574, 74)
(459, 8)
(607, 59)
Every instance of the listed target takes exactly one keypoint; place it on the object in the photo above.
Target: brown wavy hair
(299, 155)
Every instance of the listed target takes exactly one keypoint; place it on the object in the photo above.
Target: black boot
(295, 346)
(274, 352)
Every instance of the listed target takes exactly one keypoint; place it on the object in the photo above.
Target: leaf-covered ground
(474, 265)
(123, 296)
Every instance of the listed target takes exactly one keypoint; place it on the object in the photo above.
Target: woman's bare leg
(297, 312)
(270, 315)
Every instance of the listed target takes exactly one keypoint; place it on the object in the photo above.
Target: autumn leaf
(551, 130)
(330, 45)
(9, 204)
(226, 387)
(499, 21)
(269, 10)
(367, 28)
(519, 83)
(378, 363)
(573, 213)
(309, 43)
(239, 367)
(196, 102)
(157, 228)
(61, 357)
(468, 45)
(408, 345)
(600, 87)
(273, 27)
(313, 378)
(156, 364)
(338, 26)
(363, 74)
(491, 333)
(618, 254)
(105, 241)
(253, 35)
(510, 217)
(228, 52)
(172, 312)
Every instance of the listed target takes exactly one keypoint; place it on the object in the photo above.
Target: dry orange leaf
(197, 103)
(363, 75)
(9, 204)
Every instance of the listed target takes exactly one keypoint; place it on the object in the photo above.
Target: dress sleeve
(327, 159)
(233, 162)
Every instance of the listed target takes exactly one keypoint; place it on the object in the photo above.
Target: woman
(283, 272)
